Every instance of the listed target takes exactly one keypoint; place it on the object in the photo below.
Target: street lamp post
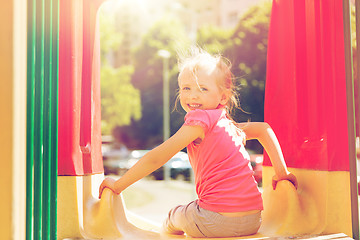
(165, 55)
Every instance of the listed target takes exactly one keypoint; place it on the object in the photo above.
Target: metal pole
(39, 120)
(165, 55)
(166, 97)
(50, 121)
(30, 117)
(351, 119)
(166, 111)
(54, 122)
(47, 123)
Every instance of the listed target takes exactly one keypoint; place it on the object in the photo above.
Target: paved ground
(153, 199)
(162, 197)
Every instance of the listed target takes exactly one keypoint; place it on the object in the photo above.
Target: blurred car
(116, 162)
(119, 163)
(117, 167)
(256, 161)
(134, 156)
(179, 166)
(115, 157)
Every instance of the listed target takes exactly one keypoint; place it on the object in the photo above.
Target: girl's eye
(185, 88)
(203, 89)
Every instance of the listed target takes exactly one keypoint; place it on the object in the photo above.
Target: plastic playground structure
(51, 139)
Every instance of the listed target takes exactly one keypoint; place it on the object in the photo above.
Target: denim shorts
(198, 222)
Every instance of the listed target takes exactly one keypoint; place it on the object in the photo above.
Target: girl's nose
(194, 95)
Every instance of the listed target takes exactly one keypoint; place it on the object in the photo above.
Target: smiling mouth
(194, 106)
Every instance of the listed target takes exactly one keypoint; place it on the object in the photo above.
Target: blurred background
(140, 40)
(136, 34)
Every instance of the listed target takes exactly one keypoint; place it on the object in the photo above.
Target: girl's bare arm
(154, 158)
(266, 136)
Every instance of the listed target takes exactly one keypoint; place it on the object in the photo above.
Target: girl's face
(201, 94)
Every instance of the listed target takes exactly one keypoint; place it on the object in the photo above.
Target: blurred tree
(167, 34)
(214, 39)
(248, 53)
(130, 22)
(246, 48)
(110, 39)
(120, 101)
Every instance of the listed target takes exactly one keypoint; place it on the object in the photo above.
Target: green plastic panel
(42, 107)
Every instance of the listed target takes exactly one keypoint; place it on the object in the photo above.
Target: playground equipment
(310, 76)
(306, 57)
(306, 71)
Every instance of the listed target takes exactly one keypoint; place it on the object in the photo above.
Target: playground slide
(306, 105)
(85, 216)
(288, 212)
(321, 204)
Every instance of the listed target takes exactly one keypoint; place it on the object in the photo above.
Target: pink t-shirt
(223, 174)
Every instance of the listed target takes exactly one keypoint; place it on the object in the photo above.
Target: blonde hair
(196, 58)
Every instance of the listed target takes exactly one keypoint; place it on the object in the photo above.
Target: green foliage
(245, 46)
(110, 38)
(168, 34)
(165, 34)
(120, 101)
(248, 53)
(214, 39)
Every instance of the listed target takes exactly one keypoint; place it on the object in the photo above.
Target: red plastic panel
(70, 74)
(79, 89)
(305, 97)
(90, 138)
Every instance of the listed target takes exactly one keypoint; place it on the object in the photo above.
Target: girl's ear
(224, 98)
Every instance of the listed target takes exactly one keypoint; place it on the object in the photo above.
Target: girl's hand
(289, 177)
(107, 183)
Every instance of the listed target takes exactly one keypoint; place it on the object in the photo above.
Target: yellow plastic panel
(12, 123)
(6, 124)
(70, 199)
(82, 215)
(320, 205)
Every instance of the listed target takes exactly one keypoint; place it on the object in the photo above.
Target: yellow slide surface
(320, 205)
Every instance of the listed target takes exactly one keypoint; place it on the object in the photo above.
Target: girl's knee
(168, 228)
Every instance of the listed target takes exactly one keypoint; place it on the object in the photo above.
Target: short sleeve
(198, 118)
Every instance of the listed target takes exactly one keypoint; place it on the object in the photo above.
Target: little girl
(229, 203)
